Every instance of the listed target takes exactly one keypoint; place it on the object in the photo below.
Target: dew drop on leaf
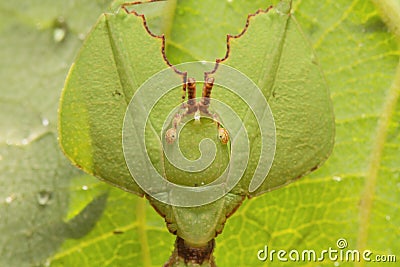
(337, 178)
(45, 122)
(9, 199)
(81, 36)
(60, 30)
(43, 197)
(59, 34)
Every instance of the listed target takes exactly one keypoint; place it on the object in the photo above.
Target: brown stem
(186, 255)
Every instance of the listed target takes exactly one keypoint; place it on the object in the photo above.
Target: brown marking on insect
(170, 135)
(191, 103)
(125, 6)
(230, 36)
(177, 120)
(184, 88)
(118, 232)
(206, 94)
(116, 93)
(192, 255)
(223, 135)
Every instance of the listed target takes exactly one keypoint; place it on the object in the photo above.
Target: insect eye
(170, 135)
(223, 135)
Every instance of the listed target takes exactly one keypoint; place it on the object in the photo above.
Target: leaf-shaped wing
(116, 58)
(274, 53)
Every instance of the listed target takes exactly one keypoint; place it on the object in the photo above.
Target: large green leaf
(355, 195)
(36, 181)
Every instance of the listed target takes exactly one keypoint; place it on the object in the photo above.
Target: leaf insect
(91, 115)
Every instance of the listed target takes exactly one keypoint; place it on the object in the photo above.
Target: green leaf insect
(263, 119)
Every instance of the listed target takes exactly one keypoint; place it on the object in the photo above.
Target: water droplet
(9, 199)
(44, 197)
(387, 217)
(59, 34)
(45, 122)
(60, 30)
(85, 187)
(29, 125)
(337, 178)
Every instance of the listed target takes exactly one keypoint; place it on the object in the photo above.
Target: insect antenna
(205, 96)
(191, 103)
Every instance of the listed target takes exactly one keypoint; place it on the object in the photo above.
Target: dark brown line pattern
(230, 36)
(162, 37)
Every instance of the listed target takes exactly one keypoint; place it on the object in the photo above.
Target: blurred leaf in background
(355, 195)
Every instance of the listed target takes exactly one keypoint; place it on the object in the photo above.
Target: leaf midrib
(368, 195)
(389, 108)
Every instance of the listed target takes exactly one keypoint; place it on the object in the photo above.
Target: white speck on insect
(81, 36)
(197, 116)
(202, 183)
(45, 122)
(24, 141)
(387, 217)
(85, 187)
(203, 62)
(337, 178)
(9, 199)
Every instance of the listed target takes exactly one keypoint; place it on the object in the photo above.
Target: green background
(53, 215)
